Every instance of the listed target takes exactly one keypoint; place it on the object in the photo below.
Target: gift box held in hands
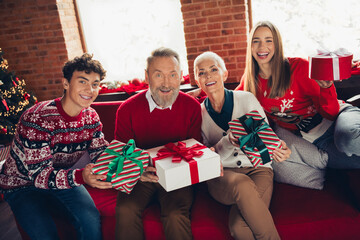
(256, 138)
(184, 163)
(330, 65)
(123, 164)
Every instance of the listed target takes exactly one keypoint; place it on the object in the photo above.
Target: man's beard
(164, 101)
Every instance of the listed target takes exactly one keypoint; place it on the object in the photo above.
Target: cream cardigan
(214, 136)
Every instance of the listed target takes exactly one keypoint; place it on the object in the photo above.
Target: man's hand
(281, 155)
(324, 84)
(149, 175)
(93, 180)
(221, 166)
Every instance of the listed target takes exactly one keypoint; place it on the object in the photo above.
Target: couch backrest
(107, 114)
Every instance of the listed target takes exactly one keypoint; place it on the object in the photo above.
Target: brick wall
(37, 37)
(218, 26)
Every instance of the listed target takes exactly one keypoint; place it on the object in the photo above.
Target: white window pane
(306, 25)
(122, 33)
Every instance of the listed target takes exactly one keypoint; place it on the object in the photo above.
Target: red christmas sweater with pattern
(301, 101)
(47, 143)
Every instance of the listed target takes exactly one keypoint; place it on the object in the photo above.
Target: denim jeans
(32, 206)
(342, 140)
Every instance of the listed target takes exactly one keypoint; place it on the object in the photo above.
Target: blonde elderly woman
(246, 188)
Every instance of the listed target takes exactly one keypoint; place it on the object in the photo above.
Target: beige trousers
(249, 192)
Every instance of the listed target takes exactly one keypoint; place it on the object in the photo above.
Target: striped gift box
(267, 135)
(131, 171)
(4, 152)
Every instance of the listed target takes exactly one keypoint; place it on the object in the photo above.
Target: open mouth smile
(210, 83)
(85, 97)
(262, 55)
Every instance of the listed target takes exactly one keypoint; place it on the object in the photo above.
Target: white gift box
(175, 175)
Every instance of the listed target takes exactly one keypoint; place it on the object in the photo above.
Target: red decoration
(136, 82)
(5, 104)
(26, 96)
(186, 79)
(14, 83)
(2, 130)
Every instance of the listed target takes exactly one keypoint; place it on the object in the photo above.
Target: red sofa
(299, 213)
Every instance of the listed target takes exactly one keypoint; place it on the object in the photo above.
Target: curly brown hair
(83, 63)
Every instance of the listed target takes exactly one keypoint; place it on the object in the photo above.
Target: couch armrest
(355, 100)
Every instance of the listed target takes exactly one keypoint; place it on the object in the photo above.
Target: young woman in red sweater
(320, 130)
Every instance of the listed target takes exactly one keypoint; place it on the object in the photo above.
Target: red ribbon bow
(179, 152)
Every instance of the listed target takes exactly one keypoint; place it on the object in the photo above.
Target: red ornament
(5, 104)
(14, 83)
(26, 96)
(136, 82)
(3, 130)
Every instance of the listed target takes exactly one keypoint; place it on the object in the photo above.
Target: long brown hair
(279, 80)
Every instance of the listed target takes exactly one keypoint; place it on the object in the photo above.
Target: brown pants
(175, 211)
(249, 192)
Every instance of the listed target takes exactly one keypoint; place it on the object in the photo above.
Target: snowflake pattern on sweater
(47, 144)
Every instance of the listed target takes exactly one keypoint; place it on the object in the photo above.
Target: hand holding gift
(149, 175)
(330, 66)
(123, 164)
(256, 138)
(93, 180)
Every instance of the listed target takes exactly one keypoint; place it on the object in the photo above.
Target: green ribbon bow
(252, 140)
(127, 152)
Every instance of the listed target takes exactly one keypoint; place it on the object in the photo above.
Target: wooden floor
(8, 229)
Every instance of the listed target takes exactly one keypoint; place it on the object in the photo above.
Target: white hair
(209, 55)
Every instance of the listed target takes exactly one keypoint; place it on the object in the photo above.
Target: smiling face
(209, 76)
(262, 46)
(81, 91)
(164, 77)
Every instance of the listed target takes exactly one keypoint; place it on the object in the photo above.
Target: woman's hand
(233, 140)
(149, 175)
(93, 180)
(281, 155)
(324, 84)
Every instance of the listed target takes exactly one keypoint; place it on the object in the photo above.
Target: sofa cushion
(107, 113)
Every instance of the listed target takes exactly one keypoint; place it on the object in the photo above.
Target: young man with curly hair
(51, 137)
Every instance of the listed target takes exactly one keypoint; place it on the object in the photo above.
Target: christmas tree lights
(14, 100)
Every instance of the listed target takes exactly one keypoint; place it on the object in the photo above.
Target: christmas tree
(14, 100)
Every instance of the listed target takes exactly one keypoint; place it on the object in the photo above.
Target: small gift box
(184, 163)
(123, 164)
(330, 65)
(256, 138)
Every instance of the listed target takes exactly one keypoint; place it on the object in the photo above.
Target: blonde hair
(279, 80)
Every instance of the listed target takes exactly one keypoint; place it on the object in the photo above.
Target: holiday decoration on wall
(14, 100)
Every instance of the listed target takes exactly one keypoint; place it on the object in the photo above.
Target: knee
(127, 212)
(242, 187)
(238, 226)
(346, 137)
(241, 233)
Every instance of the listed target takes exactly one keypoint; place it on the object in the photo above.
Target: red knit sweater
(134, 121)
(47, 143)
(302, 100)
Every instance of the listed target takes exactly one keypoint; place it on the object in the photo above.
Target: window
(307, 25)
(122, 34)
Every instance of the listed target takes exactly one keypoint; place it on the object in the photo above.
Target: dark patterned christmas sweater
(47, 143)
